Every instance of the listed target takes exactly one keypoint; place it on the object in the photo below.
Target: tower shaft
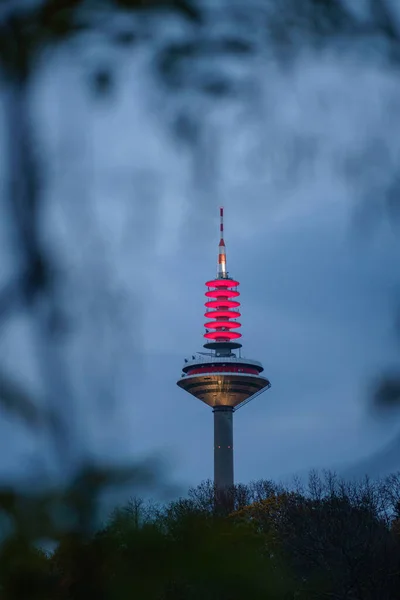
(223, 448)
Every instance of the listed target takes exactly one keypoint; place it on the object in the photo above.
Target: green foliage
(25, 572)
(335, 539)
(182, 553)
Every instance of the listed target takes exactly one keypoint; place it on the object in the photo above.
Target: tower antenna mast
(221, 270)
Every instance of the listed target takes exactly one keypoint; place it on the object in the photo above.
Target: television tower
(220, 378)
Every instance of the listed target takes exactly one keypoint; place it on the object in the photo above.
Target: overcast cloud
(133, 213)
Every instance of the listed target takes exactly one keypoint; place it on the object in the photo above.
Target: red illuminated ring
(224, 283)
(226, 314)
(231, 369)
(219, 324)
(222, 294)
(222, 335)
(222, 304)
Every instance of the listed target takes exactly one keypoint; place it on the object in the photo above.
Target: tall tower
(220, 377)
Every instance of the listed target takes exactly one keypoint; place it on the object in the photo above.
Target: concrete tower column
(223, 447)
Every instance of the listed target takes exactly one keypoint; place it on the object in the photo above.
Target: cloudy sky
(133, 220)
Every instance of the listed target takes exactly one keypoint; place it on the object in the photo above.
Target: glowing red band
(224, 283)
(224, 314)
(223, 369)
(222, 335)
(222, 294)
(223, 303)
(221, 324)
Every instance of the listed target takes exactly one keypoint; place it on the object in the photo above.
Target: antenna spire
(221, 272)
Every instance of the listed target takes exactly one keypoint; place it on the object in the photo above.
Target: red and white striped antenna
(219, 299)
(221, 272)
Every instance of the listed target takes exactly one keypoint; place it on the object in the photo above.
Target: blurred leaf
(385, 18)
(102, 82)
(171, 61)
(57, 19)
(17, 401)
(37, 278)
(125, 37)
(8, 500)
(393, 197)
(186, 128)
(187, 8)
(218, 87)
(10, 298)
(92, 477)
(387, 393)
(142, 4)
(25, 572)
(91, 481)
(235, 46)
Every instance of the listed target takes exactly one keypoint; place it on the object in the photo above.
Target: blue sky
(133, 220)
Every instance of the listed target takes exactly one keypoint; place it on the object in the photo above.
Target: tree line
(330, 538)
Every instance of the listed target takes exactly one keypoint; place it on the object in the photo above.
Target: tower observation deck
(220, 377)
